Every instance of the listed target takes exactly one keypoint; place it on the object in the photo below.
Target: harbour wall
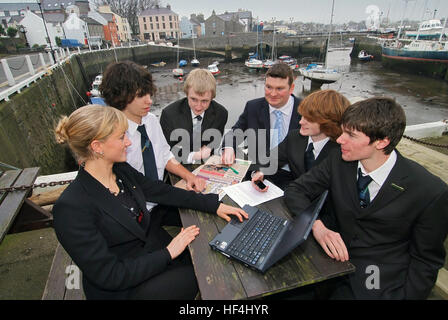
(27, 120)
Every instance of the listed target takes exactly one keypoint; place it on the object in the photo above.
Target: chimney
(168, 7)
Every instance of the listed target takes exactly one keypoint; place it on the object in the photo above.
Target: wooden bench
(56, 288)
(13, 202)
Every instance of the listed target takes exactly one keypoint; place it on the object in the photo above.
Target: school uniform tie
(149, 161)
(309, 157)
(278, 135)
(363, 190)
(197, 133)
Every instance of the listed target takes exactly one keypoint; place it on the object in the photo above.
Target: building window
(157, 26)
(144, 26)
(146, 36)
(152, 26)
(157, 19)
(163, 18)
(171, 18)
(163, 24)
(171, 25)
(150, 19)
(144, 19)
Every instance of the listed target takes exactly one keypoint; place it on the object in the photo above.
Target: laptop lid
(297, 231)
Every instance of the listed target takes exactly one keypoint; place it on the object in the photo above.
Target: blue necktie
(309, 157)
(149, 161)
(363, 190)
(278, 135)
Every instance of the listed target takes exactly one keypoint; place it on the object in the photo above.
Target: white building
(75, 28)
(35, 30)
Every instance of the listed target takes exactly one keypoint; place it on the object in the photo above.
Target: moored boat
(253, 63)
(213, 68)
(364, 56)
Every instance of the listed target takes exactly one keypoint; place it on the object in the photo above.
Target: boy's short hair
(377, 118)
(201, 81)
(123, 81)
(281, 70)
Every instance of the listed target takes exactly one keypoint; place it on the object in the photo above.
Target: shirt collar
(132, 126)
(319, 145)
(286, 109)
(380, 174)
(195, 115)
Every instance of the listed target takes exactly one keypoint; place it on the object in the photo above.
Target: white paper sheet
(244, 193)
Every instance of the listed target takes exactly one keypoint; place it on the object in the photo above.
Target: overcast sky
(311, 10)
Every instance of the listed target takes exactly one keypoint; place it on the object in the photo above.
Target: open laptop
(264, 238)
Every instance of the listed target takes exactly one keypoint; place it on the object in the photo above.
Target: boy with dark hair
(129, 87)
(389, 213)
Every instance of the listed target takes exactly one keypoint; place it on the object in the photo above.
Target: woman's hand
(330, 241)
(182, 240)
(224, 211)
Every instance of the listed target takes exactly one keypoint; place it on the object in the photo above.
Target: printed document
(244, 193)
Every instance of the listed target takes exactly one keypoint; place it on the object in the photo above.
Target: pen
(236, 172)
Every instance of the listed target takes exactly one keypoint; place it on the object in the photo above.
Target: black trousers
(178, 280)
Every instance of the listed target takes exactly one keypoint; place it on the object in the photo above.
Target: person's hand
(204, 153)
(330, 241)
(258, 176)
(195, 183)
(182, 240)
(224, 211)
(228, 156)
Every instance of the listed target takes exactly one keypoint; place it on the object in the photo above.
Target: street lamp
(46, 30)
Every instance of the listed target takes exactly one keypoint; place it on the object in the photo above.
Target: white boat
(268, 64)
(430, 29)
(95, 91)
(195, 62)
(253, 63)
(364, 56)
(213, 68)
(178, 72)
(319, 73)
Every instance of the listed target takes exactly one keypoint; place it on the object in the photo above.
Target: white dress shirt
(287, 114)
(286, 111)
(318, 146)
(194, 121)
(161, 148)
(379, 175)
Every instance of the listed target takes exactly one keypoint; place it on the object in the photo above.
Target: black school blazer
(112, 250)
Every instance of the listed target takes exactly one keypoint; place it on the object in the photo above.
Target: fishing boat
(364, 56)
(430, 29)
(213, 68)
(322, 73)
(290, 61)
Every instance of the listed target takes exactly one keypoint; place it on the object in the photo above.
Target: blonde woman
(102, 222)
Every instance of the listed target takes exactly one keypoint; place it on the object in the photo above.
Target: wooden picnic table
(220, 278)
(11, 202)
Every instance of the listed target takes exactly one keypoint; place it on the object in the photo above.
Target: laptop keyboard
(256, 237)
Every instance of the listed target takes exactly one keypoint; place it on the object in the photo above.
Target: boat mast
(194, 49)
(443, 29)
(329, 34)
(402, 19)
(273, 39)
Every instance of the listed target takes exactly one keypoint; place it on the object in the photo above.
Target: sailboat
(321, 73)
(254, 62)
(194, 62)
(270, 62)
(178, 72)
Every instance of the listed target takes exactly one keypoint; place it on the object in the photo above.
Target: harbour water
(423, 99)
